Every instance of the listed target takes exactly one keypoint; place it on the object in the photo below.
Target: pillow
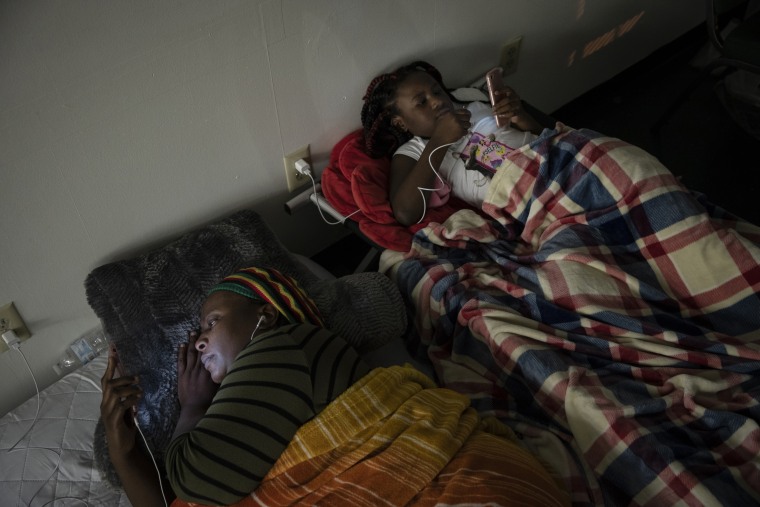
(354, 180)
(149, 303)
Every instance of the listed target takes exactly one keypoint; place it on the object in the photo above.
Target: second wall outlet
(294, 179)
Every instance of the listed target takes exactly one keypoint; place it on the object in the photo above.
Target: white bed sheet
(55, 461)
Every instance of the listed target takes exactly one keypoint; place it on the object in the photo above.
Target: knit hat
(279, 290)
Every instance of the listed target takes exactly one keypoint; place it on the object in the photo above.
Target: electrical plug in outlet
(11, 319)
(293, 177)
(510, 54)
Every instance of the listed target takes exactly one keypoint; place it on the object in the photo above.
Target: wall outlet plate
(294, 178)
(510, 55)
(11, 319)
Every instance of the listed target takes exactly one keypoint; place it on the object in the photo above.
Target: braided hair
(381, 137)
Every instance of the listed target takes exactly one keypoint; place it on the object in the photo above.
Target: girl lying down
(438, 146)
(276, 409)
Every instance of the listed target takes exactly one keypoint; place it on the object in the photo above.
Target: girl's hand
(509, 105)
(120, 397)
(452, 125)
(195, 388)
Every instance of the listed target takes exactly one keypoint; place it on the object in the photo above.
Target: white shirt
(468, 185)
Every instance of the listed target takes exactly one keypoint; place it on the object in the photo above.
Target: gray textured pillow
(149, 303)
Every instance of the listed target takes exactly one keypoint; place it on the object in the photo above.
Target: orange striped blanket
(394, 438)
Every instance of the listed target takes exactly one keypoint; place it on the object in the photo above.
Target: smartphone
(495, 84)
(115, 354)
(119, 368)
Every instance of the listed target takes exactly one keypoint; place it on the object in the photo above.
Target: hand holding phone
(115, 354)
(495, 84)
(114, 375)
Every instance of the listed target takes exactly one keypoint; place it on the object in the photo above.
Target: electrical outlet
(11, 319)
(294, 178)
(510, 54)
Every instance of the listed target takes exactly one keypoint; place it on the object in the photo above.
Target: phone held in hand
(495, 84)
(119, 367)
(115, 354)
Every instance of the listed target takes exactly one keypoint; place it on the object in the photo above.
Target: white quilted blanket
(54, 461)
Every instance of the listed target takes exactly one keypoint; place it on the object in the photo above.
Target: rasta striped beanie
(279, 290)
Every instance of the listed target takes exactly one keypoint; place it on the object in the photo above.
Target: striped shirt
(278, 382)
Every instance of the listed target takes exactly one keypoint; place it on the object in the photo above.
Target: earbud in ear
(261, 318)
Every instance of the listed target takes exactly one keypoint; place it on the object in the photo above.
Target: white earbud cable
(443, 183)
(257, 327)
(147, 447)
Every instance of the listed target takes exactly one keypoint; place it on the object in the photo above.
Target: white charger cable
(303, 168)
(12, 340)
(153, 459)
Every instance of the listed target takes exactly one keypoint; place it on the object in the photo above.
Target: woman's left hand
(195, 388)
(120, 397)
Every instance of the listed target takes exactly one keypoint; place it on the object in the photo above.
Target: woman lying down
(276, 409)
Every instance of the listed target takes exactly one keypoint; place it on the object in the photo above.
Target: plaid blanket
(393, 439)
(608, 315)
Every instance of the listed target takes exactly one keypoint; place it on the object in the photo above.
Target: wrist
(120, 457)
(193, 409)
(188, 418)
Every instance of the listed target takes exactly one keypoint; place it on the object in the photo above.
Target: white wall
(125, 123)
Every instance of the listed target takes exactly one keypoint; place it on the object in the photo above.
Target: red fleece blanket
(354, 181)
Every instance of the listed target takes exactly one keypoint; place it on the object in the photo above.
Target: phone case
(495, 83)
(119, 369)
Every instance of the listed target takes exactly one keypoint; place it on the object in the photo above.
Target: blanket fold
(394, 438)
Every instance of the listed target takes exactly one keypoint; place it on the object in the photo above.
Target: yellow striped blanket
(394, 438)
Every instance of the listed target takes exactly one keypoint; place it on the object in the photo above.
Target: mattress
(54, 460)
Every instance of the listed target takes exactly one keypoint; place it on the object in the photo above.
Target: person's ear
(270, 314)
(398, 122)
